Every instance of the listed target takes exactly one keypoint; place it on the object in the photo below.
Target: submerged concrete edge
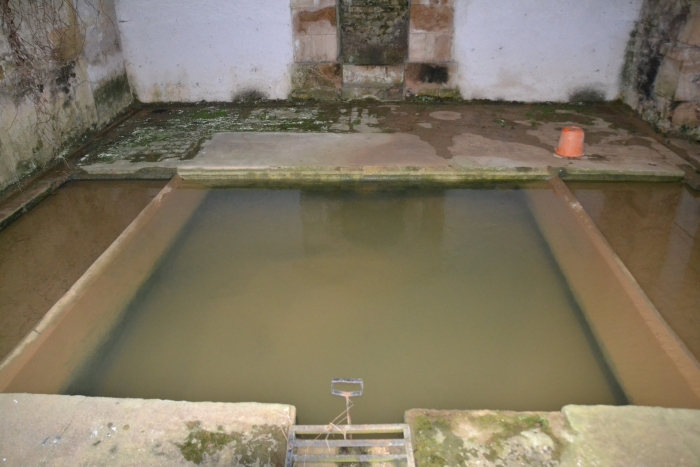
(651, 363)
(332, 175)
(222, 176)
(38, 365)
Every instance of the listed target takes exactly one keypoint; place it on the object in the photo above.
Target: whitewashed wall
(541, 50)
(212, 50)
(521, 50)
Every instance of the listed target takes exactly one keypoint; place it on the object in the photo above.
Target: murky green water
(438, 299)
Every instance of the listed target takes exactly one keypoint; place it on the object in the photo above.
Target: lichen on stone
(261, 446)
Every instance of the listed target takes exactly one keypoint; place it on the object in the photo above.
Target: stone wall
(542, 50)
(661, 79)
(385, 49)
(61, 74)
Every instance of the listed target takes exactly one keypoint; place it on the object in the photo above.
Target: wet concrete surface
(45, 251)
(655, 230)
(466, 135)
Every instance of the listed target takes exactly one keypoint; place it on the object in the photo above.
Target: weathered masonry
(372, 48)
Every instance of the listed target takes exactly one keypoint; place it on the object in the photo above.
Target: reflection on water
(655, 230)
(437, 299)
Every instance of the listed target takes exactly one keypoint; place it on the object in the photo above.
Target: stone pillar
(430, 69)
(316, 73)
(385, 49)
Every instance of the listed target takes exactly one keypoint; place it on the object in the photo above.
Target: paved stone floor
(72, 431)
(485, 140)
(40, 430)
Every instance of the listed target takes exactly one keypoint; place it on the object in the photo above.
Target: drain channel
(323, 443)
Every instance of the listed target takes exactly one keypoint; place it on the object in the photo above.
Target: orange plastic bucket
(570, 142)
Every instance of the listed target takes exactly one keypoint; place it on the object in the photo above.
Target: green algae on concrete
(578, 436)
(487, 438)
(263, 446)
(67, 431)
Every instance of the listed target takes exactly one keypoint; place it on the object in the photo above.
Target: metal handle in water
(347, 394)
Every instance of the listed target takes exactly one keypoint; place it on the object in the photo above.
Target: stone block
(667, 78)
(374, 33)
(426, 47)
(432, 18)
(382, 94)
(433, 74)
(431, 79)
(373, 76)
(683, 54)
(315, 48)
(433, 2)
(688, 87)
(686, 114)
(315, 22)
(690, 35)
(312, 4)
(317, 76)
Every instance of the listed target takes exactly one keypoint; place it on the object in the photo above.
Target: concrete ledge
(649, 361)
(315, 158)
(74, 430)
(26, 199)
(579, 436)
(46, 359)
(226, 176)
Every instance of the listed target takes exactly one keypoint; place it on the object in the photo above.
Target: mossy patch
(506, 428)
(262, 446)
(209, 113)
(493, 439)
(114, 90)
(436, 445)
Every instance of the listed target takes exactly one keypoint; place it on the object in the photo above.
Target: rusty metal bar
(348, 443)
(349, 458)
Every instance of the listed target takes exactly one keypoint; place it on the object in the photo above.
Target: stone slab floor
(50, 431)
(508, 140)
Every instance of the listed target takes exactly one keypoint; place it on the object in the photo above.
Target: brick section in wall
(431, 79)
(382, 82)
(685, 57)
(431, 31)
(431, 71)
(389, 49)
(317, 81)
(315, 30)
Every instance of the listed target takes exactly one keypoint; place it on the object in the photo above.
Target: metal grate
(333, 446)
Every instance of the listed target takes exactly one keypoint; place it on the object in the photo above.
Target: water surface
(446, 299)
